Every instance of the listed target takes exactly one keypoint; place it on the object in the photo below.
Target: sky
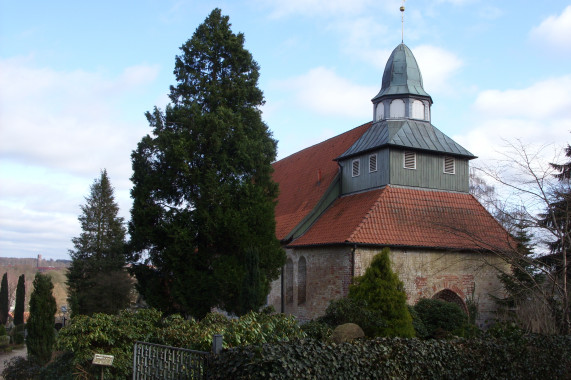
(76, 79)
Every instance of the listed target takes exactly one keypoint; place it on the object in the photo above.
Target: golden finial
(402, 21)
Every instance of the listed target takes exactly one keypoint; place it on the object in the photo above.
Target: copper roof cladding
(406, 217)
(402, 75)
(298, 174)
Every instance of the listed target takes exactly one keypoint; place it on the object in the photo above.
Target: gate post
(216, 344)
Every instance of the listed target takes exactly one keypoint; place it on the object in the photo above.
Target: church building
(395, 182)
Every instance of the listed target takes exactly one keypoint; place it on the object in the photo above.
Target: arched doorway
(450, 296)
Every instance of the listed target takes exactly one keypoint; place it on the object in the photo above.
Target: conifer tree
(252, 292)
(382, 291)
(20, 300)
(203, 192)
(4, 300)
(40, 326)
(99, 251)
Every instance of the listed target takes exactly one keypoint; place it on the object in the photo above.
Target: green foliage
(40, 326)
(96, 279)
(19, 368)
(440, 318)
(2, 330)
(417, 323)
(4, 300)
(349, 310)
(382, 290)
(203, 195)
(317, 330)
(546, 357)
(18, 334)
(116, 334)
(252, 295)
(20, 301)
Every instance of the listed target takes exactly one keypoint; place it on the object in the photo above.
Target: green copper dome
(402, 75)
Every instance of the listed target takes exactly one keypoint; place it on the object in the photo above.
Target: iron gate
(154, 361)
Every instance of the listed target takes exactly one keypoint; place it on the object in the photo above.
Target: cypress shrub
(20, 300)
(382, 290)
(4, 299)
(41, 335)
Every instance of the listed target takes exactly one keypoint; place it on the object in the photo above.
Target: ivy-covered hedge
(116, 334)
(534, 357)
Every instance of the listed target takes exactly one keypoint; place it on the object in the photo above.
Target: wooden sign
(106, 360)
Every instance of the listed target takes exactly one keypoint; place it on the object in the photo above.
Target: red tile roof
(298, 175)
(406, 217)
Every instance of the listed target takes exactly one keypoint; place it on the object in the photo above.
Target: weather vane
(402, 20)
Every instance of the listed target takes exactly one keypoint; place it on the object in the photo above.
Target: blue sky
(77, 77)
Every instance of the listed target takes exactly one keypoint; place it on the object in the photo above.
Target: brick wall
(423, 272)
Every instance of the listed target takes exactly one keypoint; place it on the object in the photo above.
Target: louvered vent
(449, 165)
(356, 168)
(409, 160)
(372, 163)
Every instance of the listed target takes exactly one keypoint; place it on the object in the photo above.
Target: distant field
(15, 267)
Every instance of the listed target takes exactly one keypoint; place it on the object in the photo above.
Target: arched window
(301, 281)
(397, 108)
(417, 110)
(380, 111)
(289, 281)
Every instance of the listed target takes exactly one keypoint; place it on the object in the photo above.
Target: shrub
(440, 318)
(2, 330)
(317, 330)
(18, 334)
(349, 310)
(19, 368)
(41, 335)
(417, 323)
(382, 290)
(546, 357)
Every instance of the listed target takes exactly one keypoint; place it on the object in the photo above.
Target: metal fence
(155, 361)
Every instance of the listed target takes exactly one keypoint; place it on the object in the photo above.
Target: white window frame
(447, 161)
(375, 158)
(356, 164)
(409, 154)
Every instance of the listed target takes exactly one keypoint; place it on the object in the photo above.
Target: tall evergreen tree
(382, 290)
(203, 192)
(4, 306)
(557, 219)
(20, 301)
(99, 250)
(41, 335)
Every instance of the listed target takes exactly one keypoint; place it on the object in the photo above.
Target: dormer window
(373, 163)
(397, 108)
(356, 166)
(449, 165)
(418, 110)
(409, 160)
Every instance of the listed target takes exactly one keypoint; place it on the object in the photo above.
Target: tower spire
(402, 20)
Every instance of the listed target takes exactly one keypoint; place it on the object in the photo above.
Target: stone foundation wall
(423, 272)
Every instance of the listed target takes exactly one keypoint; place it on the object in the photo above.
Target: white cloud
(323, 91)
(537, 115)
(545, 99)
(554, 31)
(58, 129)
(437, 66)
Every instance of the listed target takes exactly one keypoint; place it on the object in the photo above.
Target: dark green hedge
(531, 357)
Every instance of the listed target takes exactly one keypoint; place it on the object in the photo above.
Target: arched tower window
(418, 110)
(380, 112)
(301, 281)
(289, 281)
(397, 108)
